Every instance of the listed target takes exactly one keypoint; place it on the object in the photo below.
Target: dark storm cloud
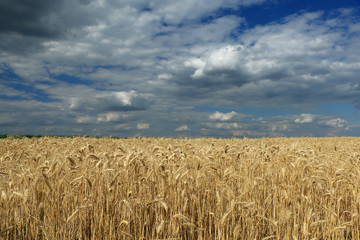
(42, 18)
(28, 17)
(24, 24)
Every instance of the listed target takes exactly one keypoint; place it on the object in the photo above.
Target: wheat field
(165, 188)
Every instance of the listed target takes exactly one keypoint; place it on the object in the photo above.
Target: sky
(180, 68)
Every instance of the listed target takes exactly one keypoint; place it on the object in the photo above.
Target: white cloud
(225, 57)
(171, 58)
(142, 126)
(196, 63)
(336, 122)
(281, 62)
(109, 101)
(123, 126)
(85, 119)
(305, 118)
(175, 12)
(110, 117)
(209, 34)
(165, 76)
(227, 125)
(182, 128)
(222, 116)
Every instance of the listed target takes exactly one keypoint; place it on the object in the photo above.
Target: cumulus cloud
(227, 57)
(182, 128)
(122, 126)
(305, 118)
(175, 12)
(227, 125)
(142, 126)
(110, 117)
(26, 18)
(295, 62)
(24, 26)
(109, 101)
(85, 119)
(165, 76)
(176, 57)
(222, 116)
(336, 123)
(196, 63)
(101, 118)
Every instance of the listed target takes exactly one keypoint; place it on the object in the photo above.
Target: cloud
(109, 101)
(165, 76)
(122, 126)
(223, 58)
(295, 62)
(85, 119)
(24, 26)
(222, 116)
(227, 125)
(182, 128)
(8, 118)
(305, 118)
(26, 18)
(335, 123)
(159, 62)
(175, 12)
(102, 118)
(196, 63)
(142, 126)
(111, 117)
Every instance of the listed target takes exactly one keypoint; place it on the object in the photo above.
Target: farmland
(168, 188)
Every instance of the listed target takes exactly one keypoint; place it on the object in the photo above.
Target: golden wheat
(162, 188)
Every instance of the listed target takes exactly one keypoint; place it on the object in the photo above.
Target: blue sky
(192, 68)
